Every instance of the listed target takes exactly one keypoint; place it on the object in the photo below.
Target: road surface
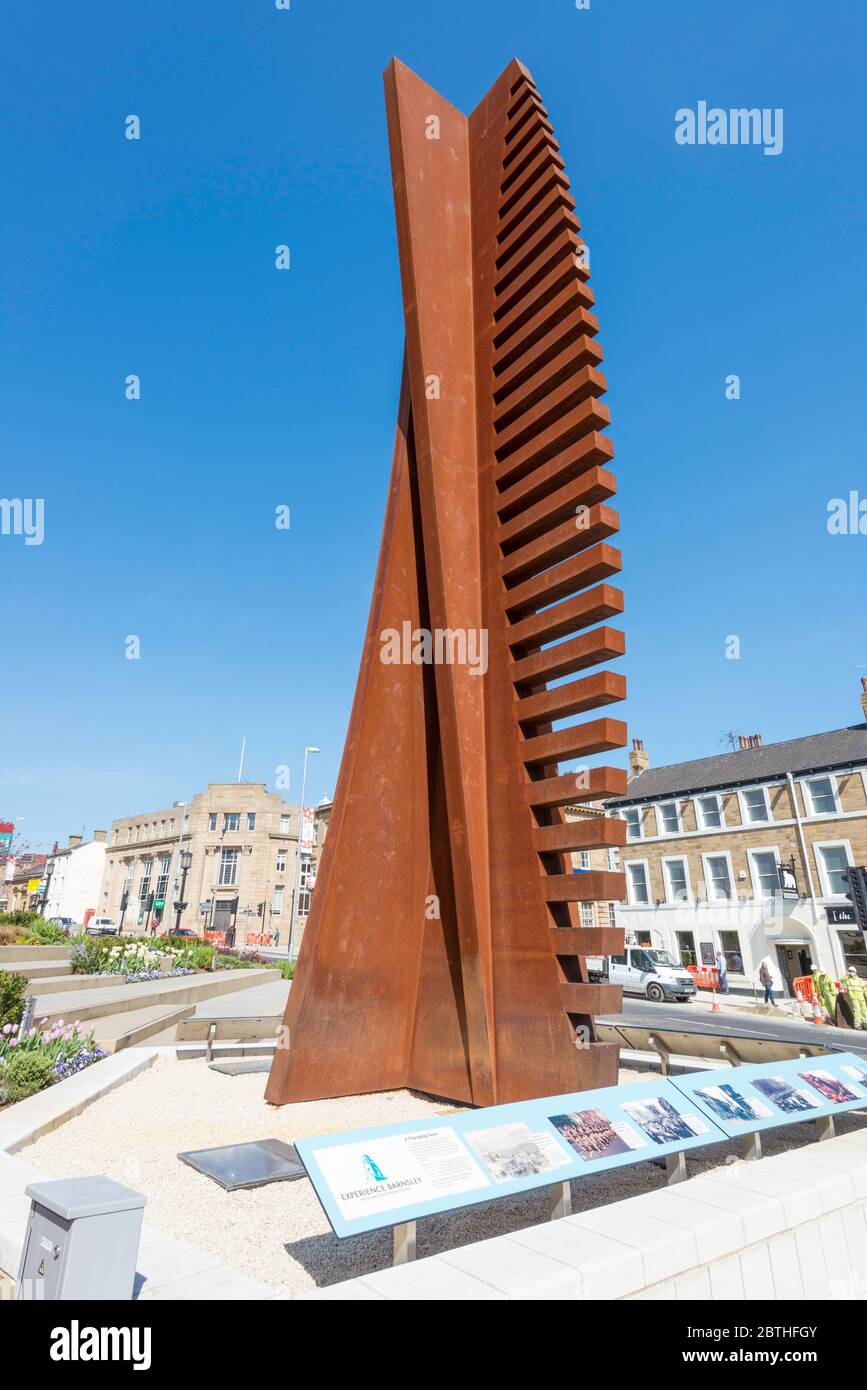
(689, 1019)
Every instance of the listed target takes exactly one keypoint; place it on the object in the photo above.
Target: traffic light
(858, 893)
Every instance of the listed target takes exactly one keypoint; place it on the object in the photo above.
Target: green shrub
(42, 933)
(18, 918)
(13, 989)
(25, 1074)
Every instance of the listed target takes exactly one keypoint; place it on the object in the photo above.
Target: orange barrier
(258, 939)
(803, 989)
(217, 938)
(706, 976)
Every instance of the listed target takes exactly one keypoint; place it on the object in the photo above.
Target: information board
(368, 1179)
(768, 1094)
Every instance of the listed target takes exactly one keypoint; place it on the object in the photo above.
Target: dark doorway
(794, 961)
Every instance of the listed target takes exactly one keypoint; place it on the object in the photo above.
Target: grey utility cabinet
(81, 1240)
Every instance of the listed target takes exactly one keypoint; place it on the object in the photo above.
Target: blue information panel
(370, 1178)
(768, 1094)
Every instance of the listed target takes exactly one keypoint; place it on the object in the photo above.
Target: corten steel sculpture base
(443, 950)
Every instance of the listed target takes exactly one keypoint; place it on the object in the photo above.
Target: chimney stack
(864, 695)
(750, 741)
(99, 836)
(74, 841)
(638, 760)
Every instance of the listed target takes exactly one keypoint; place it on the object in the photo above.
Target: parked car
(101, 926)
(649, 973)
(65, 923)
(179, 931)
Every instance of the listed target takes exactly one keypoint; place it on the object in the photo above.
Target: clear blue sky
(261, 126)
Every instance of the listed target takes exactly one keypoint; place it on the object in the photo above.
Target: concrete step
(74, 984)
(34, 953)
(42, 971)
(113, 999)
(116, 1031)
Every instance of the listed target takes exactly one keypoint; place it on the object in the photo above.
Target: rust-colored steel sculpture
(443, 950)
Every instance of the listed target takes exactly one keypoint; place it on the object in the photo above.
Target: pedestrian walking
(277, 938)
(766, 979)
(722, 972)
(857, 1000)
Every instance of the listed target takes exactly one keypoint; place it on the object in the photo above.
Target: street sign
(159, 903)
(842, 917)
(788, 879)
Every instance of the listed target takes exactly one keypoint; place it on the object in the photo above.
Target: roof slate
(816, 752)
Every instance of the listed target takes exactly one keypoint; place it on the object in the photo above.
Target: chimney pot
(638, 760)
(744, 742)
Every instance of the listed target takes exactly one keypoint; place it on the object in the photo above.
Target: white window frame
(699, 816)
(666, 878)
(587, 913)
(820, 865)
(708, 878)
(745, 820)
(758, 891)
(807, 795)
(277, 903)
(633, 810)
(229, 854)
(284, 825)
(660, 826)
(638, 863)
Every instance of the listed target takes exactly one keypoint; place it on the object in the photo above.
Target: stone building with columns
(242, 841)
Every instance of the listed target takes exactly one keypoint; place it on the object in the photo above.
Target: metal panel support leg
(560, 1199)
(825, 1127)
(675, 1167)
(751, 1147)
(404, 1243)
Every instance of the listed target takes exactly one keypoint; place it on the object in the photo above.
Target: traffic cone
(715, 1008)
(817, 1012)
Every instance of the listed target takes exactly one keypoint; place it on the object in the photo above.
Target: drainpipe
(804, 855)
(802, 841)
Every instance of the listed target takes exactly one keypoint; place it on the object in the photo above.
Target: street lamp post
(297, 884)
(186, 861)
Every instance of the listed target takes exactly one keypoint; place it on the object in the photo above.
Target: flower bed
(41, 1056)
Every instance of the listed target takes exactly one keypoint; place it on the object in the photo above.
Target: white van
(649, 973)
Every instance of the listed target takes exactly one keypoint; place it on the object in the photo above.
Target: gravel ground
(279, 1233)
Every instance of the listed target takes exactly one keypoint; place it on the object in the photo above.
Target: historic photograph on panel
(590, 1133)
(729, 1105)
(784, 1096)
(659, 1120)
(514, 1151)
(828, 1086)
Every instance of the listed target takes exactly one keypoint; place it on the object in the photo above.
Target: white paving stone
(609, 1268)
(665, 1249)
(516, 1270)
(430, 1279)
(726, 1279)
(811, 1260)
(757, 1274)
(785, 1268)
(717, 1231)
